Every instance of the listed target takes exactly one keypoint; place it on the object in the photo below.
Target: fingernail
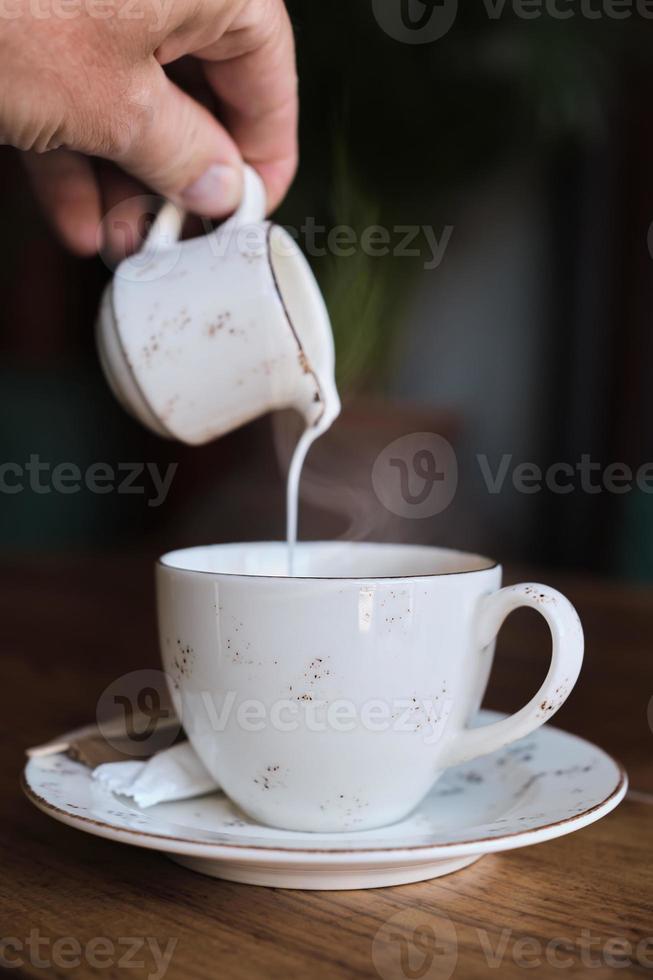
(215, 193)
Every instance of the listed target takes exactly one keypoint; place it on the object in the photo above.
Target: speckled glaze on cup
(333, 700)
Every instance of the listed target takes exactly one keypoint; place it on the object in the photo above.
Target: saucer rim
(414, 853)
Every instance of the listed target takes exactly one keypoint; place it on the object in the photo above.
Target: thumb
(179, 149)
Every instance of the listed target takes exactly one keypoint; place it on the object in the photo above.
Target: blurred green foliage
(392, 132)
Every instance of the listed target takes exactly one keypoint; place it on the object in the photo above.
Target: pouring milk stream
(201, 336)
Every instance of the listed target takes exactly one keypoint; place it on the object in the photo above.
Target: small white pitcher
(201, 336)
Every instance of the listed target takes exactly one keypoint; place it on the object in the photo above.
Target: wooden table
(580, 903)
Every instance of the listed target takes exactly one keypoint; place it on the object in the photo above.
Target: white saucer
(544, 786)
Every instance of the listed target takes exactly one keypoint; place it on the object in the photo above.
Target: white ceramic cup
(333, 700)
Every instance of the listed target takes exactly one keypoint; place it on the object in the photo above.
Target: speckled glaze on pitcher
(198, 337)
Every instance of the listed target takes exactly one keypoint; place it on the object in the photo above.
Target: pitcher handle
(254, 202)
(166, 227)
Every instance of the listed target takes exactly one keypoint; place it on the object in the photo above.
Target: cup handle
(166, 227)
(566, 659)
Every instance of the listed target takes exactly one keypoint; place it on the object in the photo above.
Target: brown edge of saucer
(47, 807)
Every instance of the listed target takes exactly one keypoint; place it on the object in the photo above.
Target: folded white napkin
(173, 774)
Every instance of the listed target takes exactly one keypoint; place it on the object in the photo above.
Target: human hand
(86, 79)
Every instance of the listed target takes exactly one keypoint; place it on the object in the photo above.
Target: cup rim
(484, 564)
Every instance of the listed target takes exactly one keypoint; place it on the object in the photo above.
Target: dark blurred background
(531, 141)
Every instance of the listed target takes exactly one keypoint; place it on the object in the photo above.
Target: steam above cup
(199, 337)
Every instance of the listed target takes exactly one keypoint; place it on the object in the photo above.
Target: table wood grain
(580, 903)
